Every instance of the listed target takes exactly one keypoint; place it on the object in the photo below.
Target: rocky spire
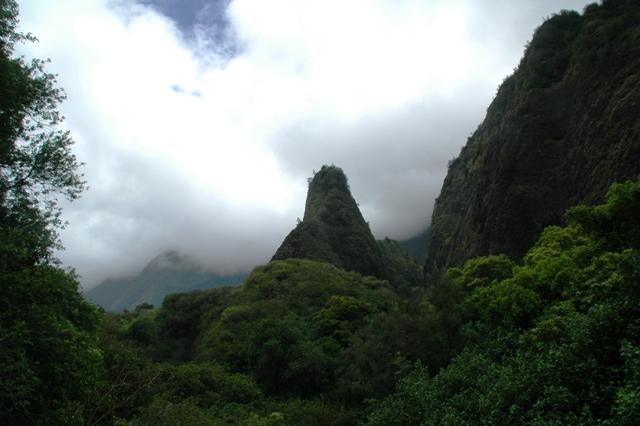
(333, 229)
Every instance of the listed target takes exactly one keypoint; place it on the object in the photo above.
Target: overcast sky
(200, 121)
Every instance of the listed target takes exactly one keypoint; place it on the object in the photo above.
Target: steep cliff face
(560, 130)
(333, 229)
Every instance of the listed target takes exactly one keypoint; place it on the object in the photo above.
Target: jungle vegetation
(550, 337)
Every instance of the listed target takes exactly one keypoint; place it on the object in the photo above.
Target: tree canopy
(36, 162)
(553, 340)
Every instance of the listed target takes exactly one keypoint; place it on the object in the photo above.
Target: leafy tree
(290, 321)
(205, 384)
(166, 413)
(131, 378)
(36, 162)
(181, 318)
(49, 360)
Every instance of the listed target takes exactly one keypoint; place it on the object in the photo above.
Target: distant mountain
(333, 229)
(560, 130)
(165, 274)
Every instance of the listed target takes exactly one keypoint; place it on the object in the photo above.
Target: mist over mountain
(167, 273)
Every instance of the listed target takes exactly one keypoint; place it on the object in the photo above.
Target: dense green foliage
(551, 339)
(36, 164)
(50, 363)
(341, 334)
(290, 320)
(292, 328)
(555, 340)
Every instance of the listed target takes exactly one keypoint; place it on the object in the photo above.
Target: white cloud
(186, 149)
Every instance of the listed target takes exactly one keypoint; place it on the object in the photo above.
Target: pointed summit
(333, 229)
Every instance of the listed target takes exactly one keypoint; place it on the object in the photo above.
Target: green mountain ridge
(560, 130)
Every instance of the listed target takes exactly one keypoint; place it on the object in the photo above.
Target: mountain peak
(170, 260)
(333, 229)
(330, 181)
(328, 178)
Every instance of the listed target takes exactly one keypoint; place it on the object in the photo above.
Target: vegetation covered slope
(560, 130)
(552, 340)
(333, 229)
(295, 333)
(165, 274)
(401, 269)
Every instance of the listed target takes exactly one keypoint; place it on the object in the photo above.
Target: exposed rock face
(561, 129)
(333, 229)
